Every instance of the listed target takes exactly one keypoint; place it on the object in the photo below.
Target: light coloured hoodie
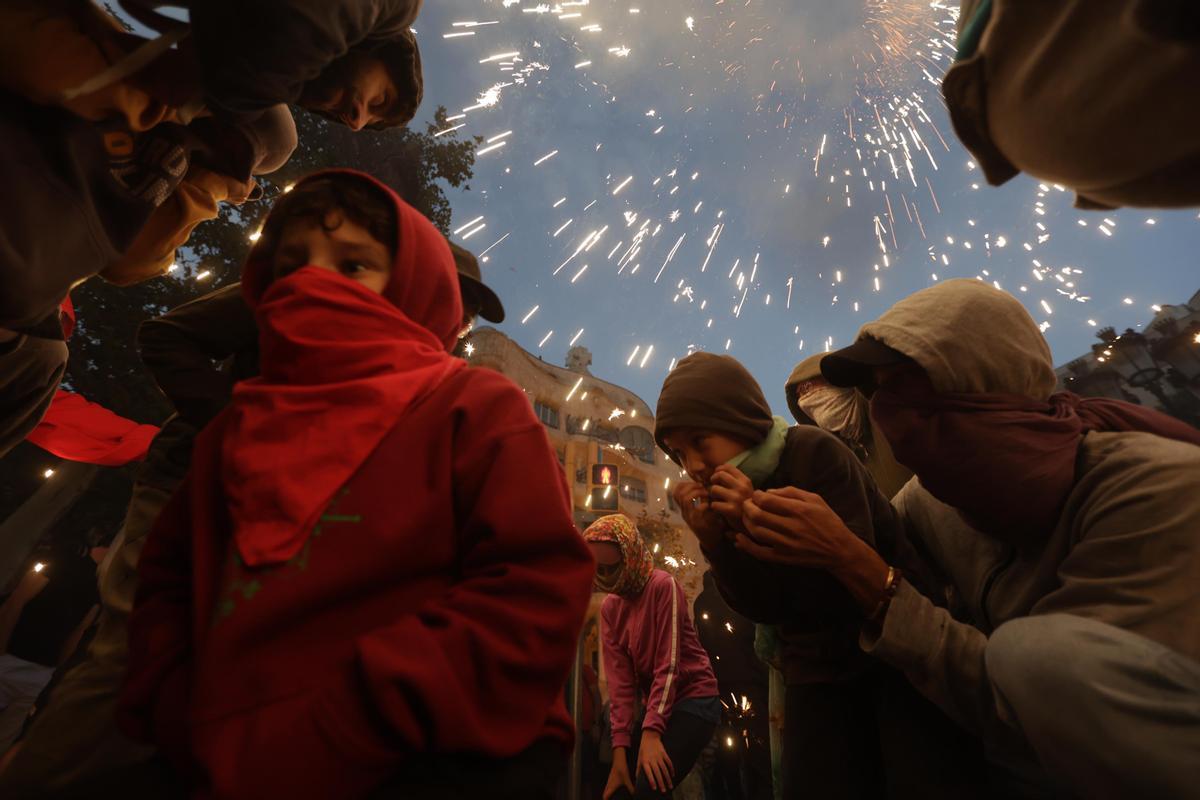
(1125, 550)
(844, 412)
(1088, 94)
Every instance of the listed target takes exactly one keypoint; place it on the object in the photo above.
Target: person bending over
(651, 651)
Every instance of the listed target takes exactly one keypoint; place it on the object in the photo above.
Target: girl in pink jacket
(654, 660)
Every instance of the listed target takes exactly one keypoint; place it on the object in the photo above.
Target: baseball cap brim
(490, 307)
(855, 365)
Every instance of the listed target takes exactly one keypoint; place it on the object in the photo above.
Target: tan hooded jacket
(889, 474)
(1125, 551)
(1084, 93)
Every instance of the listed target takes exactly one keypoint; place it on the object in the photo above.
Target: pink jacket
(651, 650)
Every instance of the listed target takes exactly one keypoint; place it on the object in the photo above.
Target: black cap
(470, 281)
(855, 365)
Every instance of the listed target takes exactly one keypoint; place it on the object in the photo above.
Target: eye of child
(355, 267)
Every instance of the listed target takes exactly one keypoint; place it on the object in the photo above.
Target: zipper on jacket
(991, 581)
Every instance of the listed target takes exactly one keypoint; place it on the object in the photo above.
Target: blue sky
(741, 98)
(763, 149)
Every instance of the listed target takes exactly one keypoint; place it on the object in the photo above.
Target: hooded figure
(1067, 527)
(293, 634)
(1081, 93)
(629, 577)
(844, 412)
(833, 734)
(654, 661)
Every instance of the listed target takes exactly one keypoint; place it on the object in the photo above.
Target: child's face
(701, 451)
(336, 244)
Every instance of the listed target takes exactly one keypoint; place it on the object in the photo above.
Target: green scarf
(759, 463)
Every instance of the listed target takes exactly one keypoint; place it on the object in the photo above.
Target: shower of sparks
(852, 129)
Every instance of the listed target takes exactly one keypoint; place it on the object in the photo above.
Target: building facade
(604, 437)
(1157, 366)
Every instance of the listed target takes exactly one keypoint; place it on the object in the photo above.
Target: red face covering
(340, 366)
(1005, 462)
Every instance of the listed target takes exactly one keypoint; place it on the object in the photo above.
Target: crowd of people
(350, 565)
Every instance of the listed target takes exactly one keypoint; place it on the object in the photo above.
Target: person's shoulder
(661, 583)
(609, 606)
(1126, 458)
(809, 440)
(814, 457)
(485, 397)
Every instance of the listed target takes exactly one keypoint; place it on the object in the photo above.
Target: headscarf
(636, 560)
(712, 392)
(979, 424)
(340, 366)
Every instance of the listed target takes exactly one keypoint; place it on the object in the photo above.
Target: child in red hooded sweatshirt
(369, 583)
(651, 651)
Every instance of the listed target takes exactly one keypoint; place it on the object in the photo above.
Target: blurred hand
(618, 776)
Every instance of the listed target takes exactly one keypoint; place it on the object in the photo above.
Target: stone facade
(1172, 339)
(590, 421)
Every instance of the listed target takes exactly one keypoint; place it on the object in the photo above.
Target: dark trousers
(530, 775)
(685, 738)
(876, 737)
(830, 742)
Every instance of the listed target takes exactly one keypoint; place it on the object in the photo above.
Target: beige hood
(969, 337)
(807, 370)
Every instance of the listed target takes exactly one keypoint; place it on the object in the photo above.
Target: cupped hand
(695, 506)
(792, 526)
(729, 491)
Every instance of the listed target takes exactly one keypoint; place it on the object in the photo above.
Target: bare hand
(695, 508)
(729, 491)
(792, 526)
(654, 763)
(618, 776)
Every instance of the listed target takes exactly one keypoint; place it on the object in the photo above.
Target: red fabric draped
(340, 365)
(79, 430)
(1005, 462)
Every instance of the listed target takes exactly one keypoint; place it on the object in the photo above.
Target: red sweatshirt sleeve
(154, 698)
(669, 610)
(622, 683)
(479, 668)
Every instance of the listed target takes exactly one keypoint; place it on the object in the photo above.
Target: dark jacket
(72, 215)
(31, 367)
(181, 349)
(245, 72)
(818, 619)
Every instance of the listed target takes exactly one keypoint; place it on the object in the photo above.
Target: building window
(606, 434)
(639, 442)
(547, 414)
(633, 489)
